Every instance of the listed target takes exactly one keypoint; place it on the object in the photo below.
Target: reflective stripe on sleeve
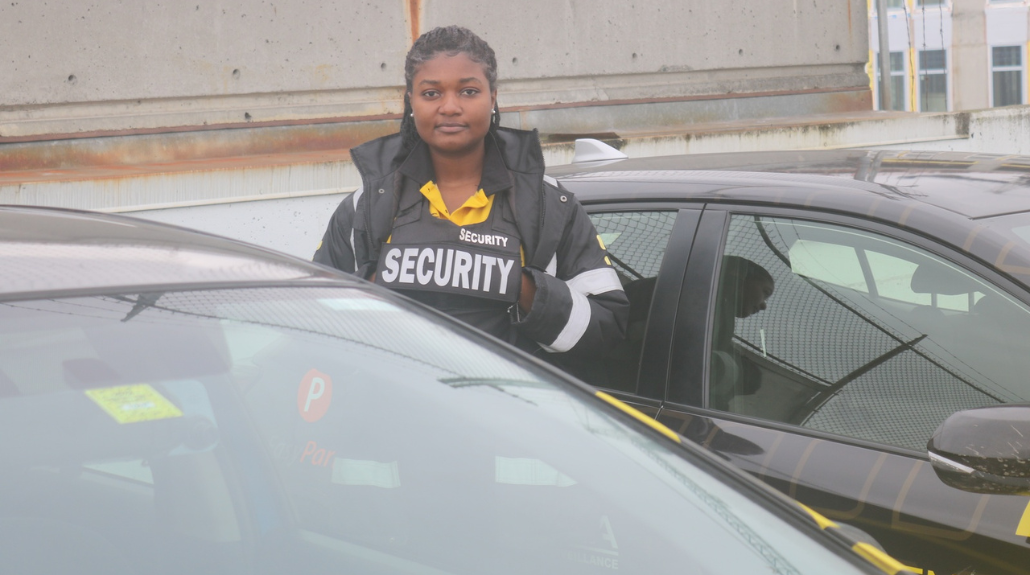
(354, 200)
(579, 320)
(352, 250)
(601, 280)
(552, 266)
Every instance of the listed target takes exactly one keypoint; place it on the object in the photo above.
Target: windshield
(329, 430)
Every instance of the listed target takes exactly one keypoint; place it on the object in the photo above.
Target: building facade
(953, 54)
(100, 68)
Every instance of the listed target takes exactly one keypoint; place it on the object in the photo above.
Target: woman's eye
(430, 94)
(470, 91)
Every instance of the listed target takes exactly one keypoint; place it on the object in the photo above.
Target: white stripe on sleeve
(353, 251)
(579, 320)
(552, 266)
(354, 199)
(357, 194)
(601, 280)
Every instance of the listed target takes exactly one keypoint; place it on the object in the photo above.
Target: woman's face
(753, 295)
(452, 103)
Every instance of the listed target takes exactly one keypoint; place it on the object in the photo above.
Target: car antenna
(591, 150)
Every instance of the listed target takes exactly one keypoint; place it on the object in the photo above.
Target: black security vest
(471, 272)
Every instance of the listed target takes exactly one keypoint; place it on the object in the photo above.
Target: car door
(648, 247)
(820, 352)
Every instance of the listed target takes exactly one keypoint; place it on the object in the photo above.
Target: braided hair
(450, 40)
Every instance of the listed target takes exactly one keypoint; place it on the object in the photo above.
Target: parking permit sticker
(314, 395)
(134, 403)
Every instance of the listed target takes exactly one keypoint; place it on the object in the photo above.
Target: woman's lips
(450, 128)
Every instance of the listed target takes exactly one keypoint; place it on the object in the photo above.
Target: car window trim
(64, 293)
(793, 430)
(696, 306)
(950, 253)
(653, 373)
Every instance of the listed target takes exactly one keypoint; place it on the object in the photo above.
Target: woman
(744, 290)
(454, 206)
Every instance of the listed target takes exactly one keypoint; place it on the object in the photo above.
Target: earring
(412, 114)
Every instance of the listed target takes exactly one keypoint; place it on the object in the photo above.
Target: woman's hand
(527, 293)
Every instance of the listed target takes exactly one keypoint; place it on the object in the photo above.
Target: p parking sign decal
(314, 395)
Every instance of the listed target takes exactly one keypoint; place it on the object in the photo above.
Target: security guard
(455, 212)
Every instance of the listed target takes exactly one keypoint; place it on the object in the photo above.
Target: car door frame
(652, 371)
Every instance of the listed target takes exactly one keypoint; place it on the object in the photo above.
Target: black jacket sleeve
(337, 246)
(580, 308)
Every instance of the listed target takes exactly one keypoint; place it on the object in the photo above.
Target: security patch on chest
(450, 268)
(483, 239)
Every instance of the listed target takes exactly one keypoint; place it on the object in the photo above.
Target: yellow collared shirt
(475, 210)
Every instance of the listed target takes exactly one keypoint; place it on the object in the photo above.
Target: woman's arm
(578, 306)
(337, 246)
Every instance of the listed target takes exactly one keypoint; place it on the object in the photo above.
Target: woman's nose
(450, 105)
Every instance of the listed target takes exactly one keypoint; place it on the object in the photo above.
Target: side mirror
(984, 450)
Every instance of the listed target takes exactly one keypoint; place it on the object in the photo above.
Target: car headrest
(936, 278)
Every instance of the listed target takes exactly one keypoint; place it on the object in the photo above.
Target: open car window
(636, 243)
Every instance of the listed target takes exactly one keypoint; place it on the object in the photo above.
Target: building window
(1007, 75)
(932, 3)
(891, 5)
(933, 81)
(898, 92)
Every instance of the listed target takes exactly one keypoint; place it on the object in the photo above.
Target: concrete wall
(295, 224)
(96, 67)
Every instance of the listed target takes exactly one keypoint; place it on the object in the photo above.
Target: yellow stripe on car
(640, 416)
(821, 519)
(1023, 529)
(881, 560)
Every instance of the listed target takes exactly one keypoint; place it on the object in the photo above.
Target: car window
(329, 430)
(854, 333)
(636, 243)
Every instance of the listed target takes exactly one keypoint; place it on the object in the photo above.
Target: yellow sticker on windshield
(134, 403)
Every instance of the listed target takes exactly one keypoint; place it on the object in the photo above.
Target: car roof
(948, 196)
(47, 251)
(972, 185)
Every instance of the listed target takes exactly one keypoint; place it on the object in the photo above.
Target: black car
(852, 327)
(172, 402)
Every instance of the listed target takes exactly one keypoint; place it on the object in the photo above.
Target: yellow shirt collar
(475, 210)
